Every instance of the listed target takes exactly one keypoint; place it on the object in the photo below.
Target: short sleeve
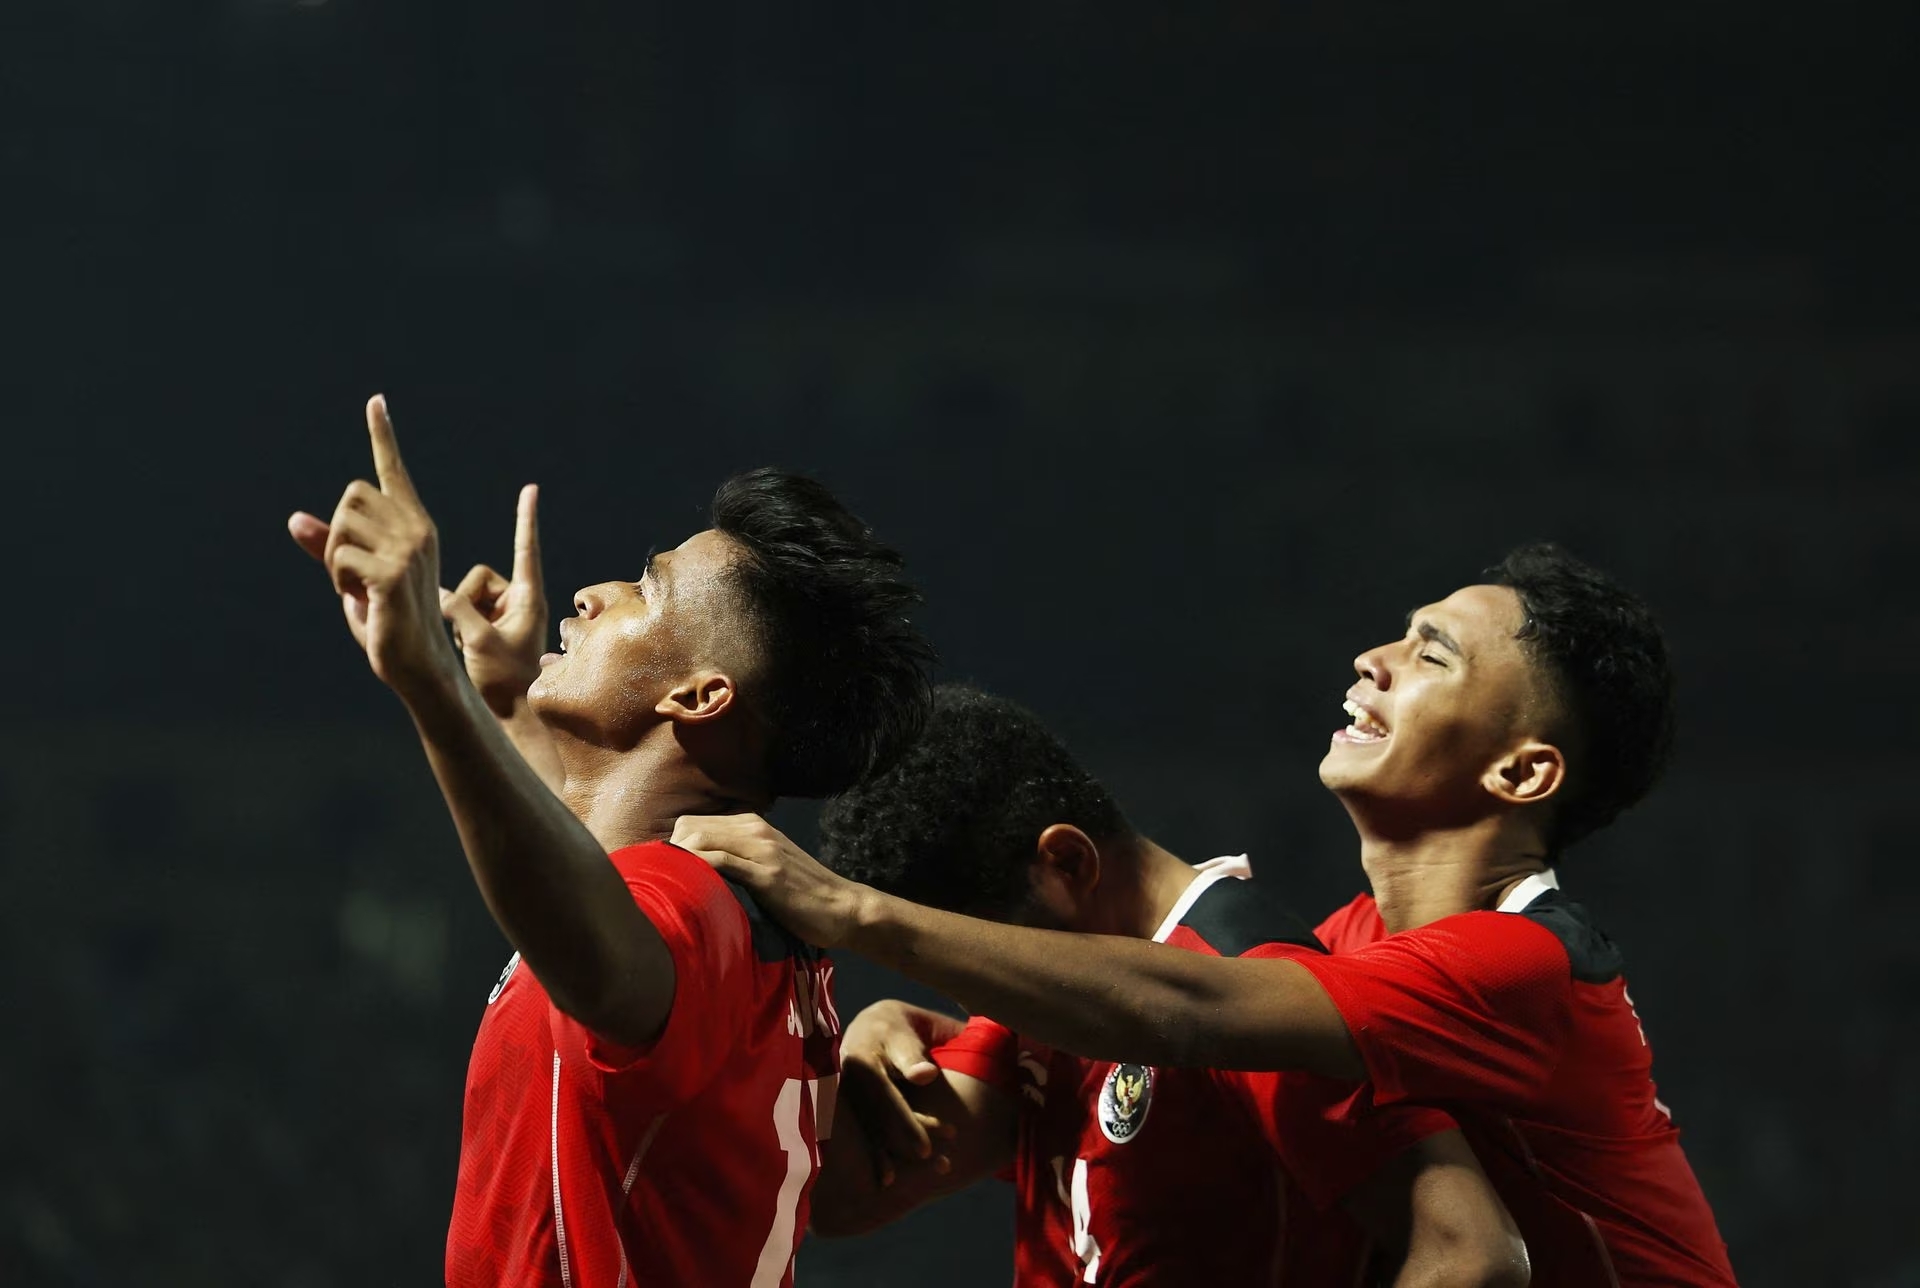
(1472, 1007)
(707, 933)
(983, 1050)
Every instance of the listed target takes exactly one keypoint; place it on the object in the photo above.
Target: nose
(590, 601)
(1372, 665)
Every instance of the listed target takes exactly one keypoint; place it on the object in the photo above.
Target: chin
(1335, 774)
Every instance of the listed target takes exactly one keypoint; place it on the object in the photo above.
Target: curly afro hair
(1606, 666)
(954, 823)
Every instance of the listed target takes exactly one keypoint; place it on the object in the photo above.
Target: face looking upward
(1450, 722)
(637, 652)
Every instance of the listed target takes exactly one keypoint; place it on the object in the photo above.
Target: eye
(1428, 657)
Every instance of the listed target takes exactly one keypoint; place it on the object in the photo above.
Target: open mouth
(1366, 726)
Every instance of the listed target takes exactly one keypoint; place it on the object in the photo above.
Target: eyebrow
(1428, 631)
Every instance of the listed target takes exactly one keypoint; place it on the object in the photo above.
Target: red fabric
(983, 1050)
(680, 1163)
(1550, 1079)
(1217, 1186)
(1328, 1133)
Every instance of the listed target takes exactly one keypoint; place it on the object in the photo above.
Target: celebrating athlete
(657, 1062)
(1508, 721)
(1124, 1174)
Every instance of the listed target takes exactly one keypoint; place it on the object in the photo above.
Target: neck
(1141, 882)
(1420, 875)
(631, 795)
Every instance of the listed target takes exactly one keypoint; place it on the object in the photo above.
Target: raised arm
(544, 877)
(1102, 997)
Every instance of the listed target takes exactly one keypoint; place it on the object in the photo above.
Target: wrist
(435, 687)
(869, 917)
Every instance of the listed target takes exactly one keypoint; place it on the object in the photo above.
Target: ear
(1067, 857)
(702, 696)
(1530, 773)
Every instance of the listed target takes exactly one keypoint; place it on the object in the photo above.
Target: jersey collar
(1232, 865)
(1527, 891)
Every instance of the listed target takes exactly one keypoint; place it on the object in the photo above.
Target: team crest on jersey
(1124, 1101)
(505, 975)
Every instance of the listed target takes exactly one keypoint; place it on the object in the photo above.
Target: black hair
(1607, 669)
(845, 680)
(954, 823)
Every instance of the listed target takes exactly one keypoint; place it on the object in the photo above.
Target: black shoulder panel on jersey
(771, 941)
(1236, 916)
(1595, 958)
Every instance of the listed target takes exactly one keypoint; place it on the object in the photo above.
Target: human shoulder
(686, 899)
(1233, 917)
(1348, 927)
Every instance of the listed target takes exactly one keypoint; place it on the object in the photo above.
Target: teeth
(1363, 721)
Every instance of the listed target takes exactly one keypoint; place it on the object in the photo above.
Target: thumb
(309, 533)
(908, 1056)
(468, 620)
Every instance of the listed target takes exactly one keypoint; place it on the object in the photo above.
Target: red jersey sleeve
(1470, 1007)
(1327, 1132)
(983, 1050)
(707, 933)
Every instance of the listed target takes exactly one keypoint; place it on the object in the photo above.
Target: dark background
(1183, 348)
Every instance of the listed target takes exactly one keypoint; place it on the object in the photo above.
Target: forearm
(848, 1198)
(1112, 998)
(544, 877)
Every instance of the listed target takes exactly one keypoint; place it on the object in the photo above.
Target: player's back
(1564, 1117)
(689, 1161)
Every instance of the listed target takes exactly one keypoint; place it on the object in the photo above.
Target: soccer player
(657, 1061)
(1125, 1174)
(1511, 719)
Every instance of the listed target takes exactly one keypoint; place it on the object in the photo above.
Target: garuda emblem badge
(1124, 1101)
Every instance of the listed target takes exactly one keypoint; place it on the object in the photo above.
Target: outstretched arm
(545, 878)
(1100, 996)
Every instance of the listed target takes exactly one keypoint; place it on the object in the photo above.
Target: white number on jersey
(1086, 1249)
(777, 1253)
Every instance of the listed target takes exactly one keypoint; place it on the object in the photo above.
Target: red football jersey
(690, 1161)
(1518, 1023)
(1132, 1175)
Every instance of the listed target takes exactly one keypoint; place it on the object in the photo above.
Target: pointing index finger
(526, 538)
(387, 465)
